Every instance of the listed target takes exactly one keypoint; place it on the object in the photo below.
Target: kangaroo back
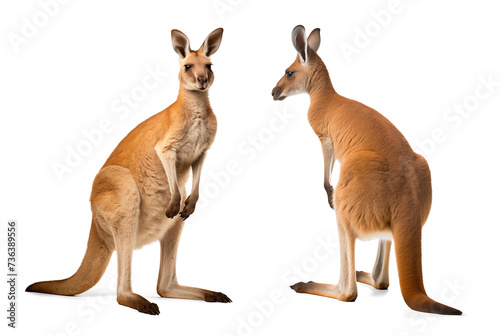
(94, 264)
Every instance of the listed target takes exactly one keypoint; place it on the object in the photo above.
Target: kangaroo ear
(212, 42)
(314, 40)
(180, 42)
(299, 42)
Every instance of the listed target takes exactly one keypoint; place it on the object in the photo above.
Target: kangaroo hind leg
(379, 278)
(116, 202)
(346, 289)
(168, 286)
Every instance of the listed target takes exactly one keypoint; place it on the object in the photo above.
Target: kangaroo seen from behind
(384, 188)
(139, 194)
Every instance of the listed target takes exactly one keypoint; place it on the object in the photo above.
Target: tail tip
(31, 288)
(454, 311)
(425, 304)
(37, 287)
(442, 309)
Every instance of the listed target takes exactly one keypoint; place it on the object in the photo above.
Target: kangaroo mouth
(277, 94)
(201, 87)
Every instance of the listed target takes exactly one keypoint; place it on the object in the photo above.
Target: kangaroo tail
(90, 272)
(407, 235)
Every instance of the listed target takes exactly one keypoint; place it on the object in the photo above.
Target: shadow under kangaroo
(384, 188)
(139, 194)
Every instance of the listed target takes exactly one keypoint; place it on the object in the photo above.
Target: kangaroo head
(298, 76)
(195, 73)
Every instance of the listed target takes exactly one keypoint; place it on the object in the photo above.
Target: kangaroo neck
(323, 97)
(194, 102)
(319, 84)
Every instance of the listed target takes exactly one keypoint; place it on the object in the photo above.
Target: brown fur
(384, 188)
(139, 194)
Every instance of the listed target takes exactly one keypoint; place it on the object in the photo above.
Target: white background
(266, 221)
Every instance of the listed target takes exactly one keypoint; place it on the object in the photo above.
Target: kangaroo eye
(188, 66)
(209, 66)
(289, 74)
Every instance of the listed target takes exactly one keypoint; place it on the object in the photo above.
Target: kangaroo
(384, 188)
(139, 194)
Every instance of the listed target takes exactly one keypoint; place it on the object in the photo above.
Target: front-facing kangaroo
(139, 194)
(384, 189)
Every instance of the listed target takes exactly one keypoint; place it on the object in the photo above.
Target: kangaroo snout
(277, 91)
(202, 79)
(202, 82)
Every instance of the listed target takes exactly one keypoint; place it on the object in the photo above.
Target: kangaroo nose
(202, 79)
(276, 93)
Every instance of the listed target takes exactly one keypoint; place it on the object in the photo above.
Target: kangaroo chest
(198, 136)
